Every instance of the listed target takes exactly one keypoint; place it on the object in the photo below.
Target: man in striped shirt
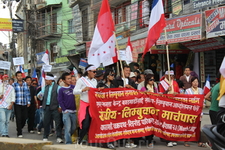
(22, 101)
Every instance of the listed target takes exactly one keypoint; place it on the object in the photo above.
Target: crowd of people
(66, 102)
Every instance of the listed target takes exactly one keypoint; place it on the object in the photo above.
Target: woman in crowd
(107, 82)
(149, 87)
(82, 87)
(194, 89)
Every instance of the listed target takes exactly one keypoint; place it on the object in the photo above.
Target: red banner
(124, 113)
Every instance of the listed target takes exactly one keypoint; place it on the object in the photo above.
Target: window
(85, 24)
(122, 13)
(70, 26)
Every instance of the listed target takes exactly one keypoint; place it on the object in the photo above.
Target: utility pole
(25, 31)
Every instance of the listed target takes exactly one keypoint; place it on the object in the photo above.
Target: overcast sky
(4, 13)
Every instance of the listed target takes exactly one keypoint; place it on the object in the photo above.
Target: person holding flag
(7, 99)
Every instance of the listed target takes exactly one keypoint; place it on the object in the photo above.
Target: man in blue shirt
(22, 101)
(51, 108)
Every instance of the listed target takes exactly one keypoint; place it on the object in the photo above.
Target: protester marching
(111, 101)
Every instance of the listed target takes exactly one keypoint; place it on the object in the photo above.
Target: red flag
(102, 48)
(156, 24)
(45, 58)
(129, 50)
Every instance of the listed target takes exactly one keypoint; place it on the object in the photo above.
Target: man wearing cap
(168, 87)
(7, 99)
(22, 101)
(50, 105)
(99, 75)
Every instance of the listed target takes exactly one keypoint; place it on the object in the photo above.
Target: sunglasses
(93, 71)
(111, 74)
(151, 79)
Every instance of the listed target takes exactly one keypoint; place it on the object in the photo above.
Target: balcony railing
(50, 31)
(40, 1)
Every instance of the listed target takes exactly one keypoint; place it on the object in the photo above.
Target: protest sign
(125, 113)
(5, 65)
(47, 68)
(18, 61)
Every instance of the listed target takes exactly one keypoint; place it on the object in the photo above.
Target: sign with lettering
(5, 65)
(18, 61)
(181, 29)
(128, 113)
(47, 68)
(199, 4)
(215, 22)
(17, 25)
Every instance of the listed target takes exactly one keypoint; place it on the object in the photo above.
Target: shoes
(31, 131)
(5, 136)
(38, 132)
(20, 136)
(45, 139)
(50, 134)
(130, 145)
(110, 146)
(174, 143)
(170, 144)
(59, 140)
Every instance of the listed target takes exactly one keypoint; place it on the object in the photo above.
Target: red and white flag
(19, 68)
(45, 58)
(102, 48)
(156, 24)
(129, 50)
(207, 86)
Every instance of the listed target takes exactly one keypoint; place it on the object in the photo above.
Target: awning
(206, 45)
(175, 48)
(74, 59)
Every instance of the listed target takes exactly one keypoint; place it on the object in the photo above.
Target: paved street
(158, 146)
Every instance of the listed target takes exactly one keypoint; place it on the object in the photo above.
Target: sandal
(201, 144)
(186, 144)
(150, 145)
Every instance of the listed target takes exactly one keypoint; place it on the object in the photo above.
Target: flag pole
(117, 47)
(167, 55)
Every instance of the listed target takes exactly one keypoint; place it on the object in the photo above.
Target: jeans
(4, 120)
(21, 116)
(41, 114)
(69, 120)
(48, 115)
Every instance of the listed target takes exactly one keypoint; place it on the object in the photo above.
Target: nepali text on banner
(125, 113)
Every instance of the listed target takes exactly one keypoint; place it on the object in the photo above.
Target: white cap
(132, 75)
(171, 72)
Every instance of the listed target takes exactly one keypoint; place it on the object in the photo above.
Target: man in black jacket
(129, 83)
(51, 107)
(32, 108)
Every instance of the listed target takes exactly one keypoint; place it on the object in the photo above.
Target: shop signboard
(215, 22)
(182, 29)
(5, 24)
(206, 45)
(200, 4)
(202, 67)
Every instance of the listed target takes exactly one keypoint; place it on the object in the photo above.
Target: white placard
(18, 61)
(47, 68)
(122, 55)
(5, 65)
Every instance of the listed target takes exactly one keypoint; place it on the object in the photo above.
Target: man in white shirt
(7, 99)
